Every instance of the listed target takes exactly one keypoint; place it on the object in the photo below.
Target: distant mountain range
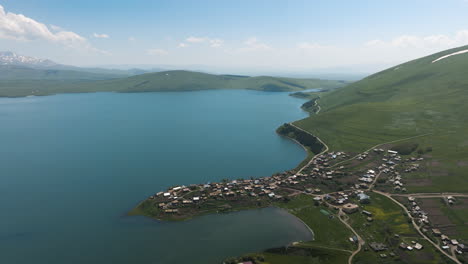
(14, 66)
(11, 58)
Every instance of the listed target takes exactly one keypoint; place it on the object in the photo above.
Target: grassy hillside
(413, 98)
(162, 81)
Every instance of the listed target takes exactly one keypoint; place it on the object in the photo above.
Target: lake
(73, 165)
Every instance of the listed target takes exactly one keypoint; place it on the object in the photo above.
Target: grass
(315, 256)
(457, 214)
(330, 244)
(327, 232)
(160, 81)
(414, 98)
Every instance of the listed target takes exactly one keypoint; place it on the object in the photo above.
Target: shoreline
(310, 155)
(300, 220)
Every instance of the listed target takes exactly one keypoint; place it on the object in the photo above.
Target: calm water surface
(72, 165)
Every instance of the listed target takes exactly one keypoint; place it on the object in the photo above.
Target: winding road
(417, 227)
(312, 159)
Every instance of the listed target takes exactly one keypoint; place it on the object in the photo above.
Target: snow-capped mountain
(11, 58)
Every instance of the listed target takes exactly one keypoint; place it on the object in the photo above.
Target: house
(363, 198)
(418, 246)
(367, 213)
(462, 248)
(350, 208)
(377, 246)
(436, 232)
(454, 242)
(392, 152)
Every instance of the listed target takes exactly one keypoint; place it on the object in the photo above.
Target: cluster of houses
(412, 246)
(447, 243)
(179, 197)
(368, 177)
(416, 211)
(422, 217)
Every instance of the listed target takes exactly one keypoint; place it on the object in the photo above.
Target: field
(390, 226)
(413, 99)
(450, 219)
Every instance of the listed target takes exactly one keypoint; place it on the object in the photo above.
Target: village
(337, 180)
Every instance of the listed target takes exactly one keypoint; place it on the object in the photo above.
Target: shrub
(406, 148)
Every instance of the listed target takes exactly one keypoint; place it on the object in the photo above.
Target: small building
(436, 232)
(462, 247)
(364, 198)
(377, 246)
(454, 242)
(418, 246)
(367, 213)
(350, 208)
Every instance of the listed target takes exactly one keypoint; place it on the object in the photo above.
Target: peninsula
(376, 178)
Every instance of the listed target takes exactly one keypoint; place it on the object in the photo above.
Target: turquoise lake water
(72, 165)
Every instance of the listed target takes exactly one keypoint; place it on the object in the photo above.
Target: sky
(302, 35)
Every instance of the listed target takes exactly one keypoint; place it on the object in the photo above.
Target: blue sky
(290, 35)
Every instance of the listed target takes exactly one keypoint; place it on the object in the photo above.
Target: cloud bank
(22, 28)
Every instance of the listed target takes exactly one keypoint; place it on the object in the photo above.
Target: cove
(73, 165)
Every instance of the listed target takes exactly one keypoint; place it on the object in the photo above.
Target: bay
(72, 165)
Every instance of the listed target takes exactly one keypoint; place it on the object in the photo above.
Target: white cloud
(182, 45)
(254, 44)
(212, 42)
(216, 43)
(96, 35)
(195, 40)
(157, 52)
(131, 39)
(22, 28)
(442, 41)
(55, 28)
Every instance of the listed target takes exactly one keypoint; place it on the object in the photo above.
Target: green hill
(411, 99)
(162, 81)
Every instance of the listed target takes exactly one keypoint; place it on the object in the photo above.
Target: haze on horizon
(297, 36)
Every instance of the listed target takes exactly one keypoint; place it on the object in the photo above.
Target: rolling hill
(423, 96)
(162, 81)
